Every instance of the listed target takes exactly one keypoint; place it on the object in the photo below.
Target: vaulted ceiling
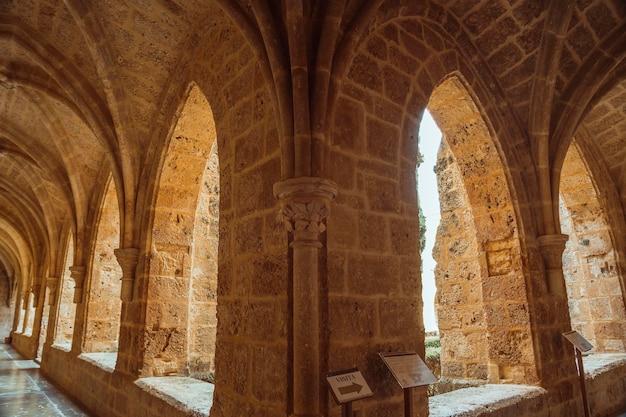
(79, 87)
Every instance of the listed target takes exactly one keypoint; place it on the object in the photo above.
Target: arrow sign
(347, 386)
(349, 389)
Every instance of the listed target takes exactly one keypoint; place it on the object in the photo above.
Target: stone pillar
(551, 248)
(16, 315)
(305, 204)
(26, 308)
(127, 258)
(52, 283)
(36, 289)
(77, 273)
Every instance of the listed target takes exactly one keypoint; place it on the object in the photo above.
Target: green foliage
(432, 343)
(422, 218)
(433, 360)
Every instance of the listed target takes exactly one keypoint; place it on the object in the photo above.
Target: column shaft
(305, 204)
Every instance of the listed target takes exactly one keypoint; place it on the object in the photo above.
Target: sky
(430, 138)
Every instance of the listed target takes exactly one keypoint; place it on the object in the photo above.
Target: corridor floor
(25, 392)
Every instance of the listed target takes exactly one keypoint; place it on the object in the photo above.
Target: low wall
(25, 345)
(107, 393)
(606, 391)
(606, 384)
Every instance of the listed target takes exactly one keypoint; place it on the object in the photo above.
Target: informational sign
(578, 341)
(408, 369)
(348, 385)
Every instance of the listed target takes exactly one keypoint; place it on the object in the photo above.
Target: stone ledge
(485, 399)
(65, 347)
(192, 396)
(104, 360)
(599, 363)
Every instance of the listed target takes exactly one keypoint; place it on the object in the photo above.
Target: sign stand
(348, 386)
(580, 345)
(410, 371)
(408, 402)
(346, 409)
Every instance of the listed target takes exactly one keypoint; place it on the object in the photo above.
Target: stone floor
(25, 392)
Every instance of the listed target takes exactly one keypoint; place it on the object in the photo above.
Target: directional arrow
(350, 389)
(348, 385)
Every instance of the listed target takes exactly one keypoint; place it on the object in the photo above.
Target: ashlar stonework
(218, 199)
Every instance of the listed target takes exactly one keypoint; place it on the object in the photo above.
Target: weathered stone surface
(160, 129)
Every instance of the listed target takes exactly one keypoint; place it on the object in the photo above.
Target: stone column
(551, 248)
(17, 314)
(305, 204)
(77, 273)
(52, 283)
(26, 308)
(127, 258)
(36, 289)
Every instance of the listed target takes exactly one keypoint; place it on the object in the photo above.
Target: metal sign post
(348, 386)
(410, 371)
(580, 345)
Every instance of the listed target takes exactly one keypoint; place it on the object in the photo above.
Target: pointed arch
(591, 262)
(181, 316)
(479, 273)
(103, 306)
(66, 308)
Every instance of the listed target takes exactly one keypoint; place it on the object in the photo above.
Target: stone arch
(590, 260)
(103, 303)
(182, 290)
(485, 284)
(66, 309)
(373, 231)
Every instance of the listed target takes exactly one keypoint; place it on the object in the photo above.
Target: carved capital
(127, 258)
(77, 273)
(305, 204)
(52, 283)
(551, 248)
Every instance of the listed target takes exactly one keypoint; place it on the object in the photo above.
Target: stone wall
(7, 305)
(106, 393)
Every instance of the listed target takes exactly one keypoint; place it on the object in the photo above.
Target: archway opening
(66, 310)
(481, 303)
(596, 302)
(103, 302)
(185, 238)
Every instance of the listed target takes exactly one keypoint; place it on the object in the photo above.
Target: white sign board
(348, 385)
(408, 369)
(578, 341)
